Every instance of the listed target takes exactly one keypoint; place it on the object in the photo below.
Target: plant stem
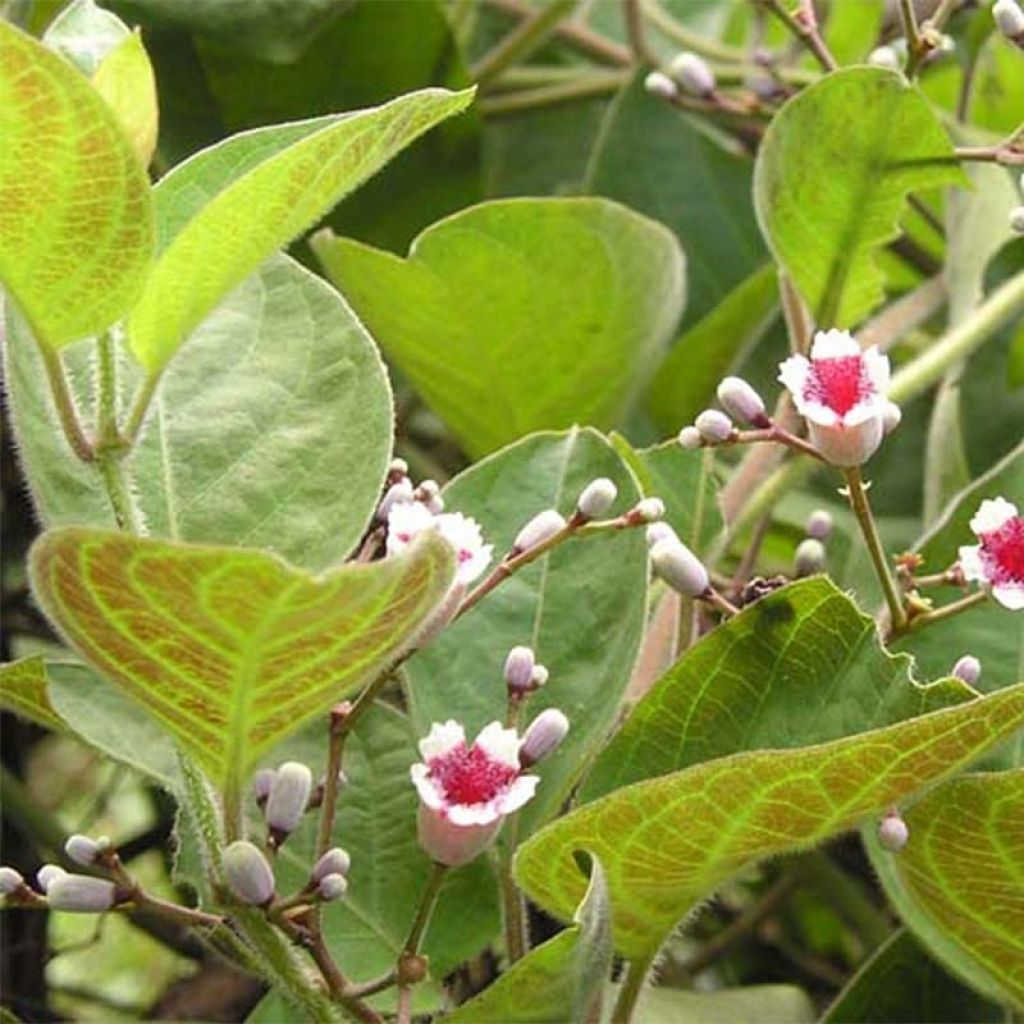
(683, 37)
(805, 27)
(634, 17)
(1000, 154)
(139, 409)
(947, 611)
(520, 42)
(117, 492)
(425, 909)
(629, 993)
(862, 510)
(512, 904)
(335, 750)
(595, 83)
(714, 598)
(65, 403)
(908, 18)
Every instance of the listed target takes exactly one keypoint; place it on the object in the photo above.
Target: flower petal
(428, 790)
(1009, 595)
(519, 793)
(473, 814)
(441, 739)
(499, 744)
(834, 344)
(991, 515)
(971, 564)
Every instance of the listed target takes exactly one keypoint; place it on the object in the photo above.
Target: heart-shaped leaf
(76, 235)
(667, 842)
(488, 286)
(281, 180)
(831, 179)
(230, 649)
(959, 882)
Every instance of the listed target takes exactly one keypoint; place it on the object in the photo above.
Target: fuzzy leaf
(125, 80)
(23, 691)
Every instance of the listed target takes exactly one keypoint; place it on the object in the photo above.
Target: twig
(804, 25)
(634, 16)
(947, 611)
(596, 83)
(520, 42)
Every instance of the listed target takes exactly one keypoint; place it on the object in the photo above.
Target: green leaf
(831, 178)
(272, 429)
(588, 645)
(125, 80)
(488, 287)
(555, 983)
(753, 1004)
(901, 983)
(23, 691)
(659, 162)
(77, 232)
(86, 35)
(667, 842)
(686, 381)
(267, 204)
(805, 666)
(230, 649)
(959, 882)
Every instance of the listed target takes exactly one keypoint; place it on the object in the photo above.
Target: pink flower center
(465, 555)
(838, 383)
(470, 776)
(1002, 551)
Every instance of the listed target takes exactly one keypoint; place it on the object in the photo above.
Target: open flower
(466, 791)
(840, 391)
(406, 521)
(997, 562)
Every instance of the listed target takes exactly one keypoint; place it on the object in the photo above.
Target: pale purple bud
(248, 874)
(84, 850)
(543, 736)
(690, 439)
(885, 57)
(810, 557)
(1017, 220)
(519, 668)
(289, 796)
(429, 494)
(46, 875)
(332, 887)
(742, 402)
(893, 832)
(262, 783)
(597, 497)
(714, 426)
(649, 510)
(542, 527)
(819, 524)
(659, 84)
(334, 862)
(680, 568)
(10, 881)
(1009, 18)
(539, 677)
(968, 668)
(398, 467)
(660, 531)
(81, 894)
(399, 493)
(693, 74)
(891, 418)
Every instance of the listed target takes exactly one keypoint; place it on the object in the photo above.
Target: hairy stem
(629, 993)
(425, 909)
(65, 403)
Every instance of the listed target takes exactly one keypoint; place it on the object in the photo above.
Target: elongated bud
(334, 862)
(690, 439)
(742, 402)
(891, 418)
(10, 881)
(714, 426)
(429, 494)
(819, 524)
(47, 874)
(543, 736)
(680, 568)
(248, 874)
(289, 796)
(893, 832)
(693, 74)
(85, 851)
(332, 887)
(597, 497)
(262, 783)
(968, 668)
(885, 57)
(648, 510)
(519, 668)
(810, 557)
(659, 84)
(542, 527)
(660, 531)
(399, 493)
(81, 894)
(397, 469)
(539, 677)
(1017, 220)
(1009, 19)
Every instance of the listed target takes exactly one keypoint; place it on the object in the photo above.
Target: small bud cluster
(893, 832)
(967, 668)
(675, 563)
(523, 674)
(1009, 20)
(810, 554)
(693, 74)
(740, 402)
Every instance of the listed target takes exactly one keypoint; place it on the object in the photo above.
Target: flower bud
(597, 498)
(289, 796)
(891, 418)
(542, 527)
(693, 74)
(810, 557)
(714, 426)
(690, 439)
(819, 524)
(262, 783)
(649, 510)
(968, 668)
(885, 57)
(680, 568)
(742, 402)
(660, 531)
(81, 894)
(85, 851)
(332, 887)
(398, 468)
(543, 736)
(47, 874)
(893, 832)
(1017, 220)
(659, 84)
(247, 874)
(10, 881)
(519, 668)
(1009, 18)
(399, 493)
(538, 677)
(334, 862)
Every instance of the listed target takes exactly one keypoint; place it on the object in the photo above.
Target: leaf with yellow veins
(231, 649)
(666, 843)
(23, 691)
(125, 80)
(76, 218)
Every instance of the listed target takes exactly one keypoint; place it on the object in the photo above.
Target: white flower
(840, 391)
(997, 561)
(466, 791)
(405, 522)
